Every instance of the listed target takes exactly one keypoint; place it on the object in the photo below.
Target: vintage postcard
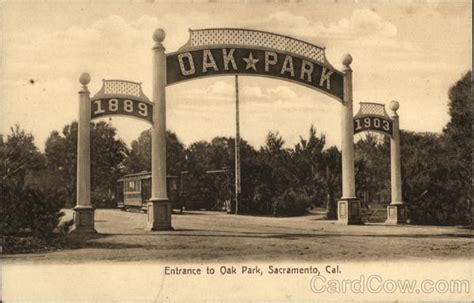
(236, 151)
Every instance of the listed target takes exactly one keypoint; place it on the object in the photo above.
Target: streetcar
(134, 190)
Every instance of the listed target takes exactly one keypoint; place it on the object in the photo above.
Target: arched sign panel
(268, 63)
(373, 123)
(213, 52)
(373, 117)
(123, 107)
(124, 98)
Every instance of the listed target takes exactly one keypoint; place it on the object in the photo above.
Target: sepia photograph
(236, 151)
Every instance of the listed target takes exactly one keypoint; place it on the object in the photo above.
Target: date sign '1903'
(373, 123)
(122, 106)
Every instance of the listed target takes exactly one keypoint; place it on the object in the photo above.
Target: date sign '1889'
(118, 97)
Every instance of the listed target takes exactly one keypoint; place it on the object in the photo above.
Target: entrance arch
(373, 117)
(217, 52)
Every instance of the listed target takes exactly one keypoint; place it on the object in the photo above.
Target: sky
(409, 51)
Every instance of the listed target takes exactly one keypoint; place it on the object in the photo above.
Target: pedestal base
(158, 215)
(396, 214)
(348, 211)
(83, 217)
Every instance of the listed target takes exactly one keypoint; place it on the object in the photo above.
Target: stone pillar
(83, 212)
(348, 206)
(396, 211)
(159, 207)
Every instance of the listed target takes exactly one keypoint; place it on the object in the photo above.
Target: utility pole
(237, 146)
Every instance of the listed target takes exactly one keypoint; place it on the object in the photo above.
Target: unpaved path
(215, 236)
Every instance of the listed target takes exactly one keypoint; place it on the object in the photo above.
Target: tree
(19, 155)
(140, 154)
(210, 190)
(198, 183)
(372, 163)
(457, 136)
(221, 157)
(254, 180)
(436, 169)
(290, 188)
(108, 154)
(309, 163)
(29, 204)
(458, 130)
(426, 186)
(278, 159)
(107, 159)
(332, 165)
(319, 171)
(139, 158)
(61, 155)
(175, 154)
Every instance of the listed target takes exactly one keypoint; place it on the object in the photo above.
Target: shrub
(29, 202)
(291, 203)
(103, 199)
(29, 209)
(45, 210)
(438, 206)
(432, 190)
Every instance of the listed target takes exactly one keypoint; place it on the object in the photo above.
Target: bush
(29, 209)
(29, 203)
(103, 199)
(291, 203)
(431, 189)
(21, 244)
(438, 206)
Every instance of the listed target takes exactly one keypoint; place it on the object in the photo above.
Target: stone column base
(396, 214)
(348, 211)
(83, 217)
(158, 214)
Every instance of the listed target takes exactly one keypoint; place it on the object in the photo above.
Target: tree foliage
(139, 158)
(425, 183)
(458, 139)
(60, 152)
(272, 178)
(372, 168)
(108, 154)
(29, 203)
(437, 168)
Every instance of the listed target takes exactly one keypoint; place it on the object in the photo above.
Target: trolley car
(134, 190)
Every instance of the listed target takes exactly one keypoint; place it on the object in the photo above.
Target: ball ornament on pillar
(346, 60)
(159, 35)
(85, 78)
(394, 105)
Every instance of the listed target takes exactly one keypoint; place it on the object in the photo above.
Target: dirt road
(215, 236)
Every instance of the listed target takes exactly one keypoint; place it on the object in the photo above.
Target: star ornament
(251, 61)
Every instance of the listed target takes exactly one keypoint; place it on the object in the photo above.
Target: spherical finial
(159, 35)
(346, 60)
(394, 105)
(85, 79)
